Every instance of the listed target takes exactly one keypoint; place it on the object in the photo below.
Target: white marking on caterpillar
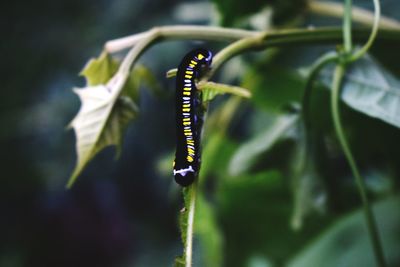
(183, 172)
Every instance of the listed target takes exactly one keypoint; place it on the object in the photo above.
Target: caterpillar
(189, 116)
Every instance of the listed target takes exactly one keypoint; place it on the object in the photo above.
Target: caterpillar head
(185, 176)
(186, 180)
(204, 58)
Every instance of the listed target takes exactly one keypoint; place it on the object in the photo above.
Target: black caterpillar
(189, 116)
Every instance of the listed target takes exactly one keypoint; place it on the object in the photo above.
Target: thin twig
(191, 32)
(371, 223)
(358, 54)
(360, 15)
(190, 223)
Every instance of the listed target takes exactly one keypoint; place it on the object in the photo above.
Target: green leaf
(347, 242)
(233, 10)
(254, 211)
(107, 107)
(145, 76)
(308, 191)
(309, 196)
(141, 75)
(179, 262)
(370, 89)
(100, 122)
(211, 89)
(99, 70)
(216, 153)
(248, 153)
(273, 88)
(208, 233)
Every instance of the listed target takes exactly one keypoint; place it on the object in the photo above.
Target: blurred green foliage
(278, 204)
(232, 11)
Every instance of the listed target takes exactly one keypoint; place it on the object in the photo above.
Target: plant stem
(257, 41)
(371, 223)
(360, 15)
(348, 46)
(358, 54)
(136, 51)
(315, 69)
(277, 37)
(180, 32)
(288, 37)
(233, 49)
(190, 223)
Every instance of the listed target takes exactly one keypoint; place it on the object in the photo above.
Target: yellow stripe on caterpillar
(190, 142)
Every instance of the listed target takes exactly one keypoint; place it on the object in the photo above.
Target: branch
(369, 216)
(190, 224)
(189, 32)
(292, 37)
(360, 15)
(358, 54)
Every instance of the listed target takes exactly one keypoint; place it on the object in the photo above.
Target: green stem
(135, 53)
(360, 15)
(180, 32)
(358, 54)
(371, 223)
(234, 49)
(315, 69)
(190, 223)
(277, 37)
(347, 26)
(289, 37)
(257, 41)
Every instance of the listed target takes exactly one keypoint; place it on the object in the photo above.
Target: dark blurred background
(119, 213)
